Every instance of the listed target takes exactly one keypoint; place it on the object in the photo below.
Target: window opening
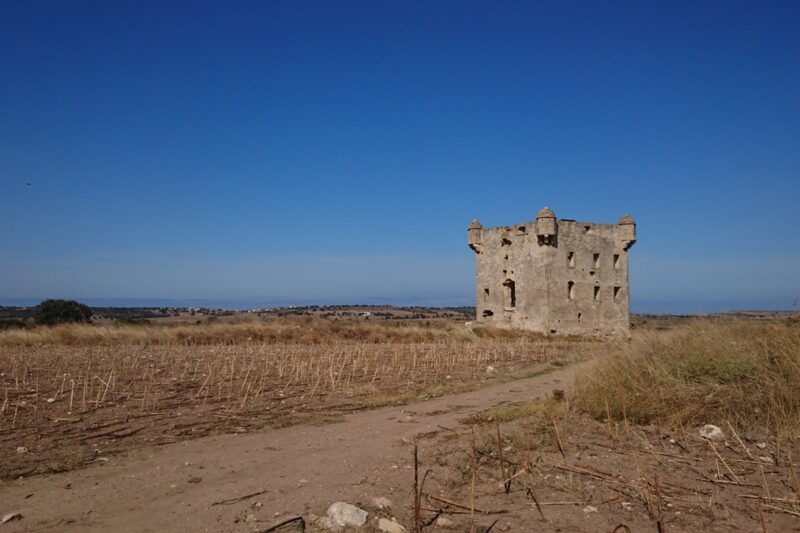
(510, 299)
(571, 259)
(571, 290)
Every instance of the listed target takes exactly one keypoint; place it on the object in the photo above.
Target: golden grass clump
(743, 372)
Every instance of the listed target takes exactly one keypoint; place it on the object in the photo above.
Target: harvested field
(495, 456)
(78, 394)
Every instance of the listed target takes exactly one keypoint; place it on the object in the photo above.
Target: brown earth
(607, 477)
(63, 403)
(301, 469)
(562, 471)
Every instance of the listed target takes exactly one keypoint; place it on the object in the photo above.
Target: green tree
(52, 312)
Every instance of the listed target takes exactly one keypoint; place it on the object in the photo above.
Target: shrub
(52, 312)
(11, 323)
(126, 321)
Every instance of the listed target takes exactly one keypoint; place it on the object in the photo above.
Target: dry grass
(66, 389)
(272, 331)
(548, 461)
(544, 466)
(743, 372)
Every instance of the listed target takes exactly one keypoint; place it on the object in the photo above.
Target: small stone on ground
(382, 503)
(390, 526)
(445, 522)
(712, 432)
(344, 514)
(16, 515)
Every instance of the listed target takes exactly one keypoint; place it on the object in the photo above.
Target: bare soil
(590, 476)
(193, 485)
(578, 474)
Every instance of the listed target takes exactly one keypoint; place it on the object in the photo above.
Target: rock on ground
(712, 432)
(16, 515)
(382, 503)
(390, 526)
(346, 515)
(445, 522)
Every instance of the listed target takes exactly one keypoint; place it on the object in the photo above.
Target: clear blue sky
(253, 153)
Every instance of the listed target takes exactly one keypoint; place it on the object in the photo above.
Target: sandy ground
(205, 484)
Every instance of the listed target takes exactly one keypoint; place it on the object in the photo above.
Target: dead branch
(240, 498)
(465, 507)
(284, 522)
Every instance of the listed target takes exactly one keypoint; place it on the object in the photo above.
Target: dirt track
(301, 469)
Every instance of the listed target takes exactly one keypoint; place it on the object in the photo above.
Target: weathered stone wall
(554, 276)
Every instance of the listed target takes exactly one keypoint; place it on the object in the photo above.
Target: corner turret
(627, 231)
(475, 235)
(546, 227)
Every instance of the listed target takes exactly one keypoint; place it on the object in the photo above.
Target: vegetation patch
(316, 331)
(11, 323)
(741, 372)
(53, 312)
(149, 384)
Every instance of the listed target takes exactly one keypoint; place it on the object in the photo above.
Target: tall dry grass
(742, 372)
(283, 331)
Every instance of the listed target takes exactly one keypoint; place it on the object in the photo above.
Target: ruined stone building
(555, 276)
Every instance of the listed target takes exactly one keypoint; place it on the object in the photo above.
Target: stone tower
(555, 276)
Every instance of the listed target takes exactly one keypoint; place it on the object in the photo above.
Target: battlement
(555, 276)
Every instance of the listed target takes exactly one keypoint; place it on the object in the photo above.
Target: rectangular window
(616, 261)
(596, 259)
(596, 293)
(510, 297)
(617, 291)
(571, 290)
(571, 259)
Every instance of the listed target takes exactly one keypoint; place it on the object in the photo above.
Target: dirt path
(301, 469)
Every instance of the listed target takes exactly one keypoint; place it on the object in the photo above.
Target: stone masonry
(555, 276)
